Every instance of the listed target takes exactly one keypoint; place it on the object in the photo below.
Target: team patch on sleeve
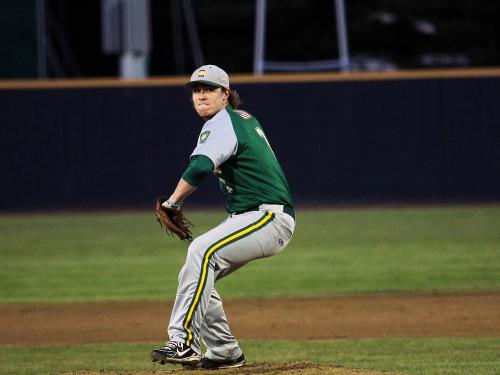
(204, 136)
(243, 114)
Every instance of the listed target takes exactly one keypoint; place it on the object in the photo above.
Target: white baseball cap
(210, 75)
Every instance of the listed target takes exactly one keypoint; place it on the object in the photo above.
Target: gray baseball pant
(198, 312)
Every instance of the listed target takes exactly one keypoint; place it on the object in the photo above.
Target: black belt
(286, 209)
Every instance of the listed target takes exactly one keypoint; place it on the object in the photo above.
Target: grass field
(409, 356)
(125, 256)
(69, 257)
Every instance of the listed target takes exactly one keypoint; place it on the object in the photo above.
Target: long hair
(234, 99)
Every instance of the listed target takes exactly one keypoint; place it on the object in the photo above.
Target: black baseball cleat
(210, 364)
(175, 352)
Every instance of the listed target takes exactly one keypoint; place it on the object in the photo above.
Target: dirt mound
(296, 368)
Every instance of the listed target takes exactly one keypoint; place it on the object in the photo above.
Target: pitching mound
(299, 368)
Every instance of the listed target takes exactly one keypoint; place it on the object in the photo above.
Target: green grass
(112, 256)
(460, 356)
(125, 256)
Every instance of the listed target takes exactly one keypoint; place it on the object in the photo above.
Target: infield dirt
(439, 315)
(373, 316)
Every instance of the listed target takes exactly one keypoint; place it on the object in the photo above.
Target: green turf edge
(439, 356)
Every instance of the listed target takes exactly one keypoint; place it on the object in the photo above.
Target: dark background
(378, 141)
(422, 141)
(383, 34)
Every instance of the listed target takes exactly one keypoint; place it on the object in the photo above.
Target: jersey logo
(204, 136)
(243, 114)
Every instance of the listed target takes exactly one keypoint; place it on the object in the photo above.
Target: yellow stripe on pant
(204, 267)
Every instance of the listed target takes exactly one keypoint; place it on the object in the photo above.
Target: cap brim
(190, 84)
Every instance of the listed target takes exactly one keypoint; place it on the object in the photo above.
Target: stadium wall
(357, 138)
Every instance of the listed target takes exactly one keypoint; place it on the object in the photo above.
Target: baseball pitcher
(233, 146)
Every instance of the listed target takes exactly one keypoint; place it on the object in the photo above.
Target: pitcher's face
(208, 100)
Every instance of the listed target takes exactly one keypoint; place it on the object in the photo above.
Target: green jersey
(248, 171)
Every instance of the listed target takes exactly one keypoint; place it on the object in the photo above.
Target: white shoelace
(171, 345)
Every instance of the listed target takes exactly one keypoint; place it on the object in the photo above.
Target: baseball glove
(173, 220)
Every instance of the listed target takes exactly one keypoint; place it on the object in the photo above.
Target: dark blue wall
(357, 141)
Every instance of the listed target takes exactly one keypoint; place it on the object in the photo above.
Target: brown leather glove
(173, 220)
